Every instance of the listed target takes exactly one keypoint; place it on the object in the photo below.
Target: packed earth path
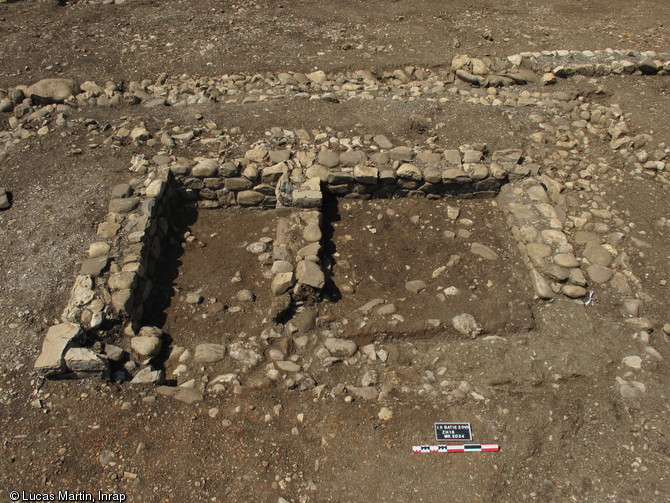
(254, 251)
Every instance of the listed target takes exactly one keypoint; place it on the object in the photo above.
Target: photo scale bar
(455, 448)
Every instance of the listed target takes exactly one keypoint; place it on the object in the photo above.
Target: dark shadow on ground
(331, 213)
(167, 269)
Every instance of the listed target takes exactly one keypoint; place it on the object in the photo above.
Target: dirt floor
(539, 381)
(379, 246)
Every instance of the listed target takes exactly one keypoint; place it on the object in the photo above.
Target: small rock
(248, 357)
(597, 254)
(57, 339)
(4, 199)
(466, 324)
(370, 305)
(282, 282)
(209, 353)
(139, 134)
(574, 291)
(114, 353)
(369, 378)
(385, 414)
(483, 251)
(245, 296)
(85, 362)
(312, 233)
(281, 266)
(287, 366)
(98, 249)
(385, 310)
(369, 351)
(566, 260)
(364, 392)
(634, 362)
(647, 66)
(382, 141)
(150, 331)
(121, 191)
(310, 273)
(415, 286)
(194, 298)
(123, 205)
(147, 376)
(328, 158)
(641, 323)
(599, 274)
(106, 457)
(628, 391)
(548, 79)
(146, 346)
(188, 396)
(257, 247)
(52, 90)
(305, 319)
(341, 348)
(632, 307)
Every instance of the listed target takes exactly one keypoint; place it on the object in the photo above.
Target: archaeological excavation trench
(272, 261)
(257, 250)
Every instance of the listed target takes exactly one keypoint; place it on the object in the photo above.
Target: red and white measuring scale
(456, 448)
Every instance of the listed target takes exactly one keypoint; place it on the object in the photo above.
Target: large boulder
(52, 90)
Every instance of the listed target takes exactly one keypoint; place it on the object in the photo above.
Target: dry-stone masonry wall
(571, 239)
(115, 280)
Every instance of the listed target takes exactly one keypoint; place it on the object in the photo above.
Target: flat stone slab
(93, 266)
(86, 363)
(483, 251)
(51, 360)
(188, 396)
(148, 376)
(597, 254)
(307, 198)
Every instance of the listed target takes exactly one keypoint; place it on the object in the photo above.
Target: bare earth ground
(545, 390)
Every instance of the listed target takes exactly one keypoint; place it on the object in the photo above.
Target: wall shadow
(331, 213)
(167, 268)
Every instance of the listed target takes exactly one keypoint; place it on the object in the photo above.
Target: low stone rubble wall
(565, 244)
(364, 171)
(116, 279)
(517, 69)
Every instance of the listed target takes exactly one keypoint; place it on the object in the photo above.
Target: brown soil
(217, 265)
(547, 395)
(379, 246)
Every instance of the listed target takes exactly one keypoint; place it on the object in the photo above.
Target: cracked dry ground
(543, 386)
